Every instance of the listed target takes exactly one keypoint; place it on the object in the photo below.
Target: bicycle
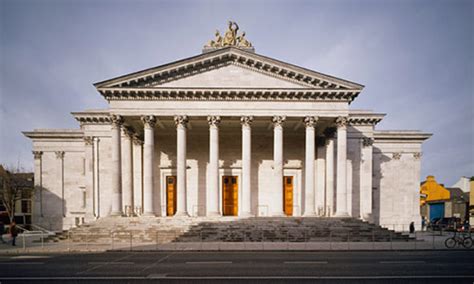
(464, 240)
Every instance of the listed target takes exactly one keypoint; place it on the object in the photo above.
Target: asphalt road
(242, 267)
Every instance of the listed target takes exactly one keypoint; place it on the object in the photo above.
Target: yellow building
(432, 199)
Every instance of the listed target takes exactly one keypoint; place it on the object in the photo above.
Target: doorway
(230, 195)
(288, 195)
(171, 197)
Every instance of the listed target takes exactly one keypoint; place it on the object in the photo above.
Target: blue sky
(414, 57)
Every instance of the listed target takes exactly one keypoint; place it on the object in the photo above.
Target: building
(464, 184)
(433, 199)
(228, 132)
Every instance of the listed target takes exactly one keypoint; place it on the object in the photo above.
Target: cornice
(400, 135)
(229, 94)
(92, 117)
(221, 57)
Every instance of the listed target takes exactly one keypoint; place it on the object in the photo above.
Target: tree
(15, 186)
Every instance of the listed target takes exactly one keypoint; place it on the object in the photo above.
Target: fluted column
(96, 184)
(213, 183)
(366, 179)
(149, 122)
(278, 121)
(246, 122)
(137, 148)
(127, 178)
(116, 167)
(309, 197)
(181, 126)
(38, 178)
(329, 133)
(341, 185)
(89, 176)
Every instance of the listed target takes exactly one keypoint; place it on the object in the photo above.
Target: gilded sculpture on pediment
(230, 38)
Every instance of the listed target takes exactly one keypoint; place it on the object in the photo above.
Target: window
(26, 206)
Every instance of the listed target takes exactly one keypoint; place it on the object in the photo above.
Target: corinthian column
(148, 155)
(278, 121)
(366, 179)
(213, 183)
(116, 168)
(341, 185)
(181, 126)
(38, 183)
(127, 178)
(309, 121)
(329, 171)
(246, 121)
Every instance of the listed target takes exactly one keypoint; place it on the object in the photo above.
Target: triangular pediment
(228, 68)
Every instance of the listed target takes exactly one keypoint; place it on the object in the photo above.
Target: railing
(260, 238)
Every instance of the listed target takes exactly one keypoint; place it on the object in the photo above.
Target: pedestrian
(2, 231)
(412, 227)
(13, 232)
(423, 223)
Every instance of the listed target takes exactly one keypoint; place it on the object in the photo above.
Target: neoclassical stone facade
(227, 132)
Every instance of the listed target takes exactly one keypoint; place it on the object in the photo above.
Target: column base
(181, 214)
(341, 214)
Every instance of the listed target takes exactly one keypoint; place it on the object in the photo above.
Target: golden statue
(230, 36)
(242, 41)
(217, 42)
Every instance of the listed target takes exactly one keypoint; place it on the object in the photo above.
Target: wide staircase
(231, 229)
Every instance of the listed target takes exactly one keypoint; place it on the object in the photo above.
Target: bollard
(391, 244)
(373, 240)
(24, 244)
(263, 240)
(330, 240)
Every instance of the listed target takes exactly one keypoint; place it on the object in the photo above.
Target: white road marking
(208, 262)
(306, 262)
(402, 262)
(30, 256)
(21, 263)
(110, 262)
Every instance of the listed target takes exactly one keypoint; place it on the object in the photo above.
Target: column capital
(181, 120)
(149, 121)
(214, 120)
(278, 120)
(246, 120)
(37, 154)
(417, 155)
(367, 141)
(397, 156)
(116, 120)
(341, 121)
(310, 121)
(59, 154)
(88, 140)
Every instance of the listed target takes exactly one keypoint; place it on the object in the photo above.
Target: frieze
(364, 120)
(234, 94)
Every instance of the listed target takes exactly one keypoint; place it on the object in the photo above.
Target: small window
(26, 206)
(84, 199)
(226, 180)
(170, 180)
(234, 180)
(288, 180)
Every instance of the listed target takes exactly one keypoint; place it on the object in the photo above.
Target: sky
(414, 57)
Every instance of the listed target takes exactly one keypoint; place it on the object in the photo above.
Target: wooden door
(171, 197)
(230, 195)
(288, 195)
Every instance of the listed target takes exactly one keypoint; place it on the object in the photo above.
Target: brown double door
(171, 195)
(230, 196)
(288, 195)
